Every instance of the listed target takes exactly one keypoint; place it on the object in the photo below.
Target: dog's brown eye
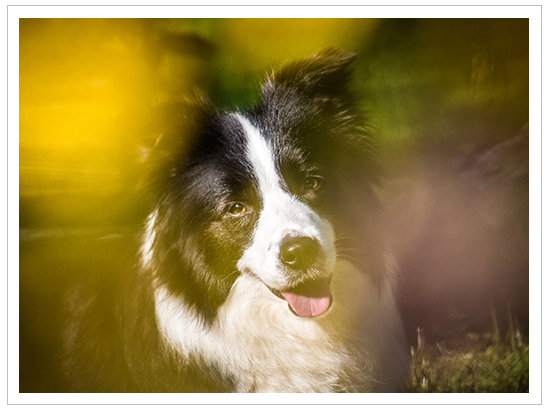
(312, 183)
(237, 209)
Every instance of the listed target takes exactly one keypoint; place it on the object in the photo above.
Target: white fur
(282, 214)
(146, 251)
(258, 342)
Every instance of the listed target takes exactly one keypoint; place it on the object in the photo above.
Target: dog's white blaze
(282, 214)
(261, 155)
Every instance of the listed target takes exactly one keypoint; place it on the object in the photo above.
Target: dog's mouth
(309, 299)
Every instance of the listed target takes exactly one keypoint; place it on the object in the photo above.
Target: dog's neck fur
(262, 347)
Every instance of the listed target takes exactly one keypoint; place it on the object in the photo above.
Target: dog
(262, 265)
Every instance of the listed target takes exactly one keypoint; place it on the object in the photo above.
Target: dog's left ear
(322, 73)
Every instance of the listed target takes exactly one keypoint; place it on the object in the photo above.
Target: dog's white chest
(260, 344)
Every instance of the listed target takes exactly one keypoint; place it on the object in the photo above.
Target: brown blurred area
(459, 229)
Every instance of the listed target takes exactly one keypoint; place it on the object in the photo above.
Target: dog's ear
(322, 73)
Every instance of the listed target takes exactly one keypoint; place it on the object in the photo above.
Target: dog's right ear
(323, 73)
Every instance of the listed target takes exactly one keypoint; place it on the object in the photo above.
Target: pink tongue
(309, 300)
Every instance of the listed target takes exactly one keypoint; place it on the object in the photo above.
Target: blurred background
(449, 111)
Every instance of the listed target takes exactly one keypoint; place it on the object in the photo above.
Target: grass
(488, 363)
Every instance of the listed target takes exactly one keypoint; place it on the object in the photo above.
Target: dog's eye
(312, 183)
(237, 209)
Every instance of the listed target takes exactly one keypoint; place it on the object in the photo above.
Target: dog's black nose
(299, 252)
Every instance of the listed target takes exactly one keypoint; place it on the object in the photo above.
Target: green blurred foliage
(453, 81)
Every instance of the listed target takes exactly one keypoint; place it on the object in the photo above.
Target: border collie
(262, 266)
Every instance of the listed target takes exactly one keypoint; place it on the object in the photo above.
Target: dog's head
(262, 192)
